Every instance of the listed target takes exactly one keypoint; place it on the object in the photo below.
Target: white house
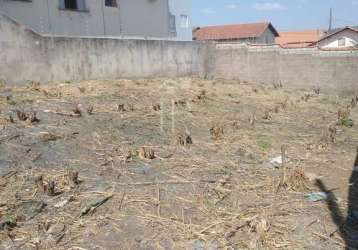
(343, 38)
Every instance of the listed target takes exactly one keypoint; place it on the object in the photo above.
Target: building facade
(181, 11)
(341, 39)
(142, 19)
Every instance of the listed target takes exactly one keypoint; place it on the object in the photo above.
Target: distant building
(328, 32)
(149, 19)
(180, 11)
(299, 39)
(340, 38)
(255, 33)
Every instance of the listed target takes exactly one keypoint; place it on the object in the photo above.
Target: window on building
(79, 5)
(342, 42)
(172, 25)
(184, 21)
(111, 3)
(71, 4)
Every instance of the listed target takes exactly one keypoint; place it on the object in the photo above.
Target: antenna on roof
(330, 19)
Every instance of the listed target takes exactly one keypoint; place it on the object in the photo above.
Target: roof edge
(334, 33)
(272, 28)
(233, 24)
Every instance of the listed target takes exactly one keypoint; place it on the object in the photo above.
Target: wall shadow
(347, 225)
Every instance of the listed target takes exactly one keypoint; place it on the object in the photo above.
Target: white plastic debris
(317, 196)
(63, 202)
(277, 161)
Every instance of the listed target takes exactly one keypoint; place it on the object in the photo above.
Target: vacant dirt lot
(173, 164)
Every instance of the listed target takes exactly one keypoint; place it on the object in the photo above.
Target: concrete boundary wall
(335, 71)
(25, 55)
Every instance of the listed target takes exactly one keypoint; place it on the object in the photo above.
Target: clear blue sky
(284, 14)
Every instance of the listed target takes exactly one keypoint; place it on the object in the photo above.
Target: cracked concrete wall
(28, 56)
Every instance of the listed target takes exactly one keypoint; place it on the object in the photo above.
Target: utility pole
(330, 19)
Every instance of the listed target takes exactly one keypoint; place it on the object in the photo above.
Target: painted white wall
(132, 19)
(178, 8)
(351, 39)
(34, 14)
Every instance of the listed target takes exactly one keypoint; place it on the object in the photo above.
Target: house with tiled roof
(299, 39)
(342, 39)
(334, 30)
(254, 33)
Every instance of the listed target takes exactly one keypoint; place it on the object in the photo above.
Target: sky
(283, 14)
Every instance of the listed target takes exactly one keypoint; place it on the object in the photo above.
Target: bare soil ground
(171, 164)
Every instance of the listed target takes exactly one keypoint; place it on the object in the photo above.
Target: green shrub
(264, 143)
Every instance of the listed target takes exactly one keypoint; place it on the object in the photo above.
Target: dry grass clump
(200, 97)
(145, 153)
(120, 107)
(184, 139)
(52, 92)
(236, 125)
(29, 117)
(90, 109)
(332, 133)
(261, 228)
(6, 120)
(33, 85)
(306, 97)
(181, 103)
(267, 115)
(317, 90)
(343, 117)
(217, 132)
(278, 85)
(55, 185)
(130, 107)
(329, 136)
(298, 181)
(156, 107)
(142, 153)
(73, 178)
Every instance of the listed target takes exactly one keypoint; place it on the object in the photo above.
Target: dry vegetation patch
(171, 164)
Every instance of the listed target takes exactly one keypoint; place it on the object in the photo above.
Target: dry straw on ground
(93, 169)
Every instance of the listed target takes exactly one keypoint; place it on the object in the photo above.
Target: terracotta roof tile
(235, 31)
(297, 39)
